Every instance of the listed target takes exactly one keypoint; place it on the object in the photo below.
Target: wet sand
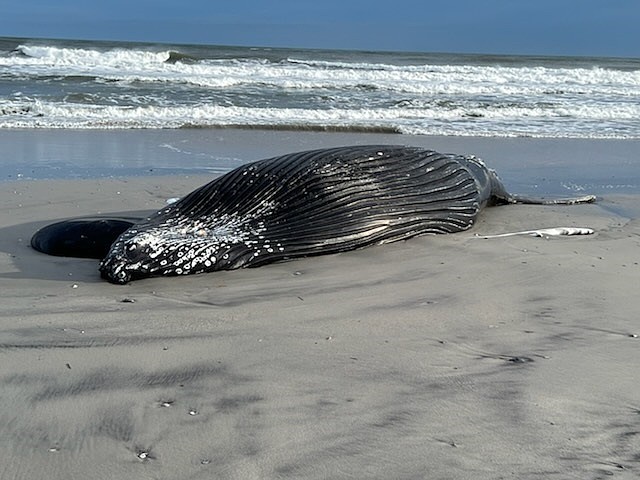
(440, 357)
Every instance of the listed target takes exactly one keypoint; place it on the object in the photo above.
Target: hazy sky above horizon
(543, 27)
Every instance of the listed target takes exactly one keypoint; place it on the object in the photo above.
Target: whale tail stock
(500, 196)
(493, 192)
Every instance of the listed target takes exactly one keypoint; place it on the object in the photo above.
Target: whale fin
(544, 232)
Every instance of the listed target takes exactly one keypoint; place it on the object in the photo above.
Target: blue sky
(544, 27)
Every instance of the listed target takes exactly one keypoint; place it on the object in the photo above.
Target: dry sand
(448, 357)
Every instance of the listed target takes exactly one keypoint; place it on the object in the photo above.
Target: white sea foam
(145, 88)
(137, 65)
(79, 57)
(506, 121)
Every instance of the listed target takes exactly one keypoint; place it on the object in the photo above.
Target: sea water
(106, 85)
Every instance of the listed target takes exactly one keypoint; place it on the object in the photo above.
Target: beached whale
(302, 204)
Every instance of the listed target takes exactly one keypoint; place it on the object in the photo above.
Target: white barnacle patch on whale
(185, 245)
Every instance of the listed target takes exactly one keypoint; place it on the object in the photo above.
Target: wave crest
(79, 57)
(102, 85)
(430, 120)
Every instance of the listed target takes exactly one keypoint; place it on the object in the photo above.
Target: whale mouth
(121, 271)
(115, 273)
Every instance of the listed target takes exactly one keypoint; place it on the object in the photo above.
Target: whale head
(161, 250)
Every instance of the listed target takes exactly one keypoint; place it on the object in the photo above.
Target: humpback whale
(301, 204)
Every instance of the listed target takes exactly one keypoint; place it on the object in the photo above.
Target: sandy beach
(442, 357)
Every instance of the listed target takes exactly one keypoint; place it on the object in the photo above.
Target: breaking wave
(95, 85)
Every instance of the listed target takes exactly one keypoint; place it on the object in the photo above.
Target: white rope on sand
(545, 232)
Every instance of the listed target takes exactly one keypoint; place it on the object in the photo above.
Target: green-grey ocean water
(80, 84)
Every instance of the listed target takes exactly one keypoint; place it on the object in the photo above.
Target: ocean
(109, 85)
